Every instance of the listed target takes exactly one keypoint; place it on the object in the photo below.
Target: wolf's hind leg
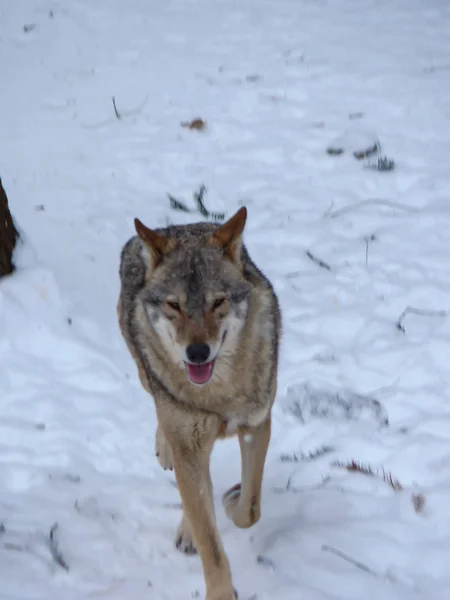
(163, 450)
(242, 502)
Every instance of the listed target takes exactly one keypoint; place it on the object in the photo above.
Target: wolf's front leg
(243, 501)
(191, 463)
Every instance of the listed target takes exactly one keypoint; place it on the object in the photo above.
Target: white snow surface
(276, 81)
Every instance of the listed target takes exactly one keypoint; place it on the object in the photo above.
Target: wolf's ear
(157, 244)
(228, 236)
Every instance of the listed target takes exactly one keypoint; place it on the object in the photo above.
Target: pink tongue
(199, 373)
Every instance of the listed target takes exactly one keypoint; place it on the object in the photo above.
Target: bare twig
(294, 490)
(118, 116)
(54, 550)
(386, 476)
(421, 312)
(352, 561)
(116, 112)
(370, 202)
(318, 261)
(368, 239)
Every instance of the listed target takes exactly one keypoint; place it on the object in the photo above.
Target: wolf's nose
(197, 353)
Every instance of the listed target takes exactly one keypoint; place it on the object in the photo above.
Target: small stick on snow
(318, 261)
(368, 239)
(54, 550)
(421, 312)
(371, 202)
(118, 116)
(116, 112)
(294, 490)
(2, 528)
(352, 561)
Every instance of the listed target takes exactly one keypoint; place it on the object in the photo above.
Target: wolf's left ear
(157, 244)
(229, 235)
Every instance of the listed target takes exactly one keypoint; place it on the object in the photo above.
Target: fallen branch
(54, 550)
(349, 559)
(367, 470)
(421, 312)
(318, 261)
(371, 202)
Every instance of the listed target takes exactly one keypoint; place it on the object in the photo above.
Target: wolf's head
(196, 296)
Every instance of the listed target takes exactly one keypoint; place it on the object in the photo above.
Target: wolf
(203, 324)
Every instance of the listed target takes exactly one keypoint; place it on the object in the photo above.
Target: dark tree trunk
(8, 235)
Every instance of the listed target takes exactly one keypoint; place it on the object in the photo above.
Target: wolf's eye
(217, 303)
(174, 306)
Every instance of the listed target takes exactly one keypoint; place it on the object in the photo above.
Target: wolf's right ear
(229, 235)
(156, 244)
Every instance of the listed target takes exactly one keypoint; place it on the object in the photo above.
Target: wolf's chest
(252, 419)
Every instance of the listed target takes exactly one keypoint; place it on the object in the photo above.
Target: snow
(276, 83)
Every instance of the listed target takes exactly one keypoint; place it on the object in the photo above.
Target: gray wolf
(203, 325)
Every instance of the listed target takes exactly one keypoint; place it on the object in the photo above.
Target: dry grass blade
(349, 559)
(307, 457)
(54, 549)
(367, 470)
(318, 261)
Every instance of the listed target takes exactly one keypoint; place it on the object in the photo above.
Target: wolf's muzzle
(198, 353)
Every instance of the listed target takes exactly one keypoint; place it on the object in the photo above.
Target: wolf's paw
(242, 516)
(163, 451)
(183, 539)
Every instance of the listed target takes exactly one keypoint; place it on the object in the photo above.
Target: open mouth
(199, 374)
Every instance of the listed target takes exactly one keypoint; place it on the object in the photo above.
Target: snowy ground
(277, 81)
